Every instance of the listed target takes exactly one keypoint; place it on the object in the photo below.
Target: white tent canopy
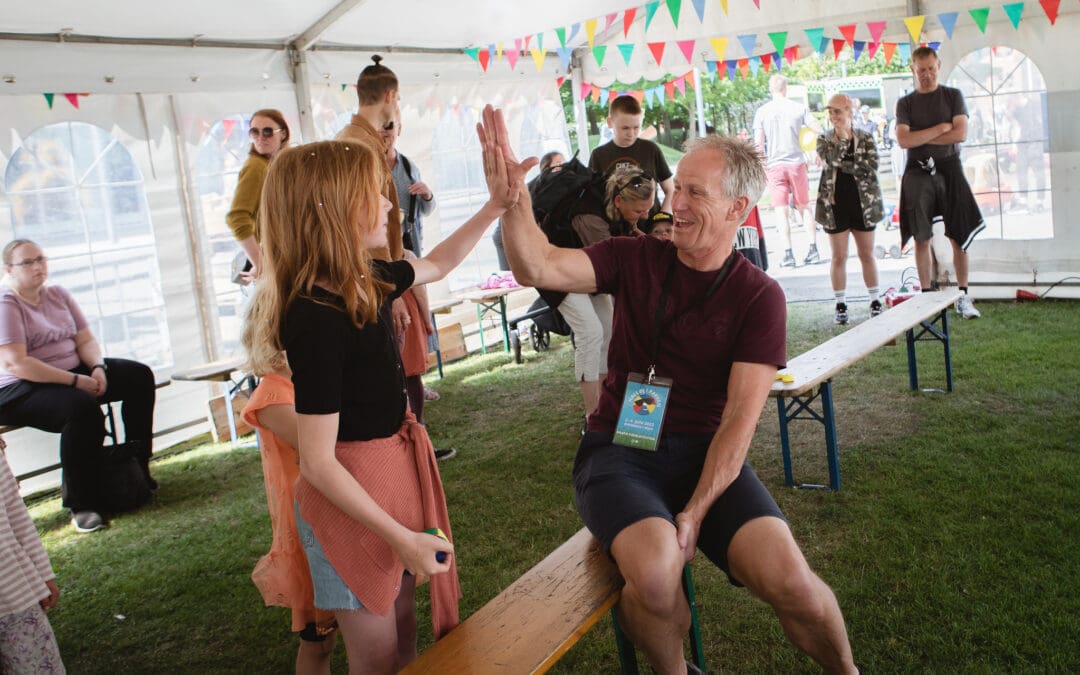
(154, 92)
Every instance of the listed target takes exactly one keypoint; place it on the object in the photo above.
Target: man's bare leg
(924, 263)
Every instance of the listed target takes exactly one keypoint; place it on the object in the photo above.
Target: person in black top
(369, 485)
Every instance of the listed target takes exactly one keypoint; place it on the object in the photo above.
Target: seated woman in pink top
(53, 377)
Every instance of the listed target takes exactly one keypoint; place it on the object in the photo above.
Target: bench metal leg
(928, 330)
(438, 345)
(798, 408)
(628, 657)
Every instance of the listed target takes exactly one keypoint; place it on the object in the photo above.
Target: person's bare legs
(924, 263)
(838, 244)
(864, 247)
(785, 225)
(960, 262)
(405, 610)
(377, 644)
(764, 557)
(313, 658)
(653, 610)
(809, 222)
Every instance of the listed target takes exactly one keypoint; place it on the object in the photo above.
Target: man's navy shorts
(617, 486)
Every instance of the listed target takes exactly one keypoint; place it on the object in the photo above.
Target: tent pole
(302, 90)
(581, 118)
(699, 99)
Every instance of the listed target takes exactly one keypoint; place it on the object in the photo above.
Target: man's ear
(740, 206)
(609, 122)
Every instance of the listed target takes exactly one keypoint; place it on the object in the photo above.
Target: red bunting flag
(227, 126)
(791, 54)
(73, 99)
(871, 49)
(657, 49)
(628, 20)
(837, 47)
(559, 82)
(848, 32)
(669, 89)
(766, 60)
(585, 89)
(1051, 9)
(484, 57)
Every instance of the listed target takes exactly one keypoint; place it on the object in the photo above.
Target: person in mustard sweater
(269, 135)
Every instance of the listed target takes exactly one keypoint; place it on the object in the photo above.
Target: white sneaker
(965, 306)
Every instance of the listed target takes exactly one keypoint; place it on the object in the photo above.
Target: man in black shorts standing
(931, 123)
(697, 336)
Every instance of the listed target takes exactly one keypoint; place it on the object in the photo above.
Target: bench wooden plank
(216, 370)
(534, 621)
(821, 363)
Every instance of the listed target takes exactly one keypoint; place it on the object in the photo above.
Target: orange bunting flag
(639, 95)
(669, 89)
(594, 95)
(915, 25)
(890, 49)
(744, 67)
(689, 77)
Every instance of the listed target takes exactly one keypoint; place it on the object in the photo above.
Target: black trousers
(77, 417)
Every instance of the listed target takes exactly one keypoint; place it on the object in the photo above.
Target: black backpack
(558, 196)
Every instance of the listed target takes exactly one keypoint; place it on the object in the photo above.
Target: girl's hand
(504, 174)
(418, 550)
(54, 595)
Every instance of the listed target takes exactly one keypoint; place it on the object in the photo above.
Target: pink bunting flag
(628, 20)
(791, 54)
(227, 126)
(585, 89)
(657, 49)
(73, 99)
(513, 54)
(876, 29)
(848, 32)
(871, 50)
(680, 84)
(610, 19)
(757, 3)
(687, 49)
(1051, 9)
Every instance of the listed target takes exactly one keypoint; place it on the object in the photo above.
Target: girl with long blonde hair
(369, 485)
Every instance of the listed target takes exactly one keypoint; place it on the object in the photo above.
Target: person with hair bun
(269, 135)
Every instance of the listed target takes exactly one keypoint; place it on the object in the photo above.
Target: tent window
(222, 152)
(1006, 155)
(76, 191)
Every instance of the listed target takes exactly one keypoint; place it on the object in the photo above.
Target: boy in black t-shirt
(626, 149)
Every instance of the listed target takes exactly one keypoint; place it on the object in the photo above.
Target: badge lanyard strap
(658, 323)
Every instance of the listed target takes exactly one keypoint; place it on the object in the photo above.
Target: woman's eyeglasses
(266, 132)
(30, 262)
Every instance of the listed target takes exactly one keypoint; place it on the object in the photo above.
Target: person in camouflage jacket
(849, 199)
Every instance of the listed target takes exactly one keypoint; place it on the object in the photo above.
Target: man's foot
(789, 259)
(87, 521)
(812, 256)
(841, 314)
(876, 308)
(965, 306)
(144, 464)
(430, 394)
(442, 454)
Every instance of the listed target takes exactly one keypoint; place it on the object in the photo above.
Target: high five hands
(504, 174)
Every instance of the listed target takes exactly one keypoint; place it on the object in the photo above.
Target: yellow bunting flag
(915, 25)
(719, 45)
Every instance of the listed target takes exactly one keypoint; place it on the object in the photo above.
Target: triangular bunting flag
(658, 94)
(755, 64)
(979, 16)
(791, 54)
(689, 76)
(948, 22)
(777, 61)
(1051, 9)
(649, 94)
(848, 32)
(673, 8)
(876, 28)
(858, 47)
(699, 9)
(605, 95)
(590, 31)
(687, 49)
(872, 48)
(638, 94)
(528, 38)
(680, 84)
(723, 6)
(712, 69)
(779, 40)
(650, 12)
(574, 30)
(815, 36)
(227, 126)
(905, 51)
(628, 20)
(744, 67)
(657, 49)
(1013, 10)
(594, 93)
(344, 86)
(598, 52)
(757, 3)
(914, 25)
(610, 19)
(474, 53)
(538, 58)
(669, 89)
(627, 50)
(484, 57)
(561, 34)
(719, 45)
(936, 46)
(890, 49)
(585, 89)
(766, 61)
(564, 56)
(559, 81)
(540, 41)
(73, 99)
(730, 69)
(499, 51)
(837, 47)
(512, 56)
(747, 42)
(49, 99)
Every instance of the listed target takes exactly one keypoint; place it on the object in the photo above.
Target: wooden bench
(221, 371)
(809, 375)
(538, 618)
(436, 308)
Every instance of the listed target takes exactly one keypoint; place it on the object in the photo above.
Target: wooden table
(221, 371)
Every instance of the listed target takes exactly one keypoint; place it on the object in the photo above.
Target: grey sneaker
(965, 307)
(841, 316)
(789, 259)
(87, 521)
(812, 256)
(442, 454)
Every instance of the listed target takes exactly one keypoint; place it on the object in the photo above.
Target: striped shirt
(24, 565)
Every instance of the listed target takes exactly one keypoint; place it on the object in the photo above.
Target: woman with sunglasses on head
(369, 486)
(53, 377)
(269, 135)
(629, 199)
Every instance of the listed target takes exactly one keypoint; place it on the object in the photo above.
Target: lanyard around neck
(658, 323)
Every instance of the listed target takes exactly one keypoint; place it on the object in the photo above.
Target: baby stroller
(545, 321)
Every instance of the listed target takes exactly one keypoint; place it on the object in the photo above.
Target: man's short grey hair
(744, 167)
(777, 83)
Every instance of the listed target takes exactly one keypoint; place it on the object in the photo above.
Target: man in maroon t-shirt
(717, 332)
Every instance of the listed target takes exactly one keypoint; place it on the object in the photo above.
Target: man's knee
(652, 569)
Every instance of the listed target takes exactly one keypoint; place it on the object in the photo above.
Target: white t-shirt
(781, 120)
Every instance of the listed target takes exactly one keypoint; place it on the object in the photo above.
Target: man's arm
(958, 133)
(811, 121)
(748, 389)
(912, 139)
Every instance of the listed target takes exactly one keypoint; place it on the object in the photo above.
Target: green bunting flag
(49, 99)
(979, 16)
(1013, 11)
(779, 40)
(598, 52)
(674, 6)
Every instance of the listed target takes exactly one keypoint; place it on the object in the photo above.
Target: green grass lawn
(952, 547)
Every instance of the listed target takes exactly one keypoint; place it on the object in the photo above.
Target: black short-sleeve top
(339, 368)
